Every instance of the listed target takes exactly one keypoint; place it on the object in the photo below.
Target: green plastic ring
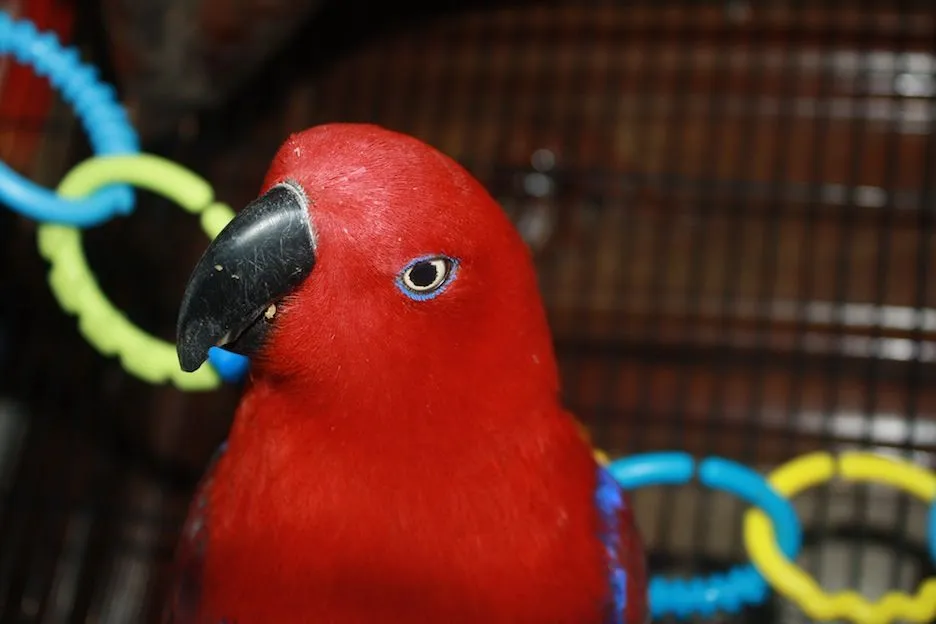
(74, 286)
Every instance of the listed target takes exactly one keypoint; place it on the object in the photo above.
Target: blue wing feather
(610, 502)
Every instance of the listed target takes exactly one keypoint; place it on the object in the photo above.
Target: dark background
(732, 210)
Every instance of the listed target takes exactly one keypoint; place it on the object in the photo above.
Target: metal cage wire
(731, 208)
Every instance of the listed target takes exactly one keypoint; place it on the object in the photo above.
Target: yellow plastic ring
(77, 291)
(794, 583)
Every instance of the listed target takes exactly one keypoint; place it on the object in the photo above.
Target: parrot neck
(496, 408)
(393, 421)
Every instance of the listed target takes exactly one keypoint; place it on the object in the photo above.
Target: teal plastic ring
(740, 586)
(104, 119)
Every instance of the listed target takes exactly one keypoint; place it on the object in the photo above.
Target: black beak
(262, 255)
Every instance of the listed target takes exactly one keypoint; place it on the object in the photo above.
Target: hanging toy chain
(104, 120)
(73, 283)
(100, 189)
(740, 587)
(790, 581)
(88, 196)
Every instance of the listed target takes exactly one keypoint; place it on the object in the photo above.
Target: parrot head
(370, 255)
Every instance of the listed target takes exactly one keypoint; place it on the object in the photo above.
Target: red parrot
(400, 453)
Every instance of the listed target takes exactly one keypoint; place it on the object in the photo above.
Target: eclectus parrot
(400, 453)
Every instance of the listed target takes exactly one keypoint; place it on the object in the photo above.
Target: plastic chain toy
(102, 325)
(742, 585)
(104, 120)
(87, 196)
(932, 531)
(792, 582)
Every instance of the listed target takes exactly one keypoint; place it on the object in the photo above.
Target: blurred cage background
(731, 204)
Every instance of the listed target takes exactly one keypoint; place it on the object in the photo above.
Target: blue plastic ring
(104, 119)
(741, 585)
(232, 367)
(931, 535)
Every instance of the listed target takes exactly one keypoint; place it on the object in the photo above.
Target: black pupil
(424, 274)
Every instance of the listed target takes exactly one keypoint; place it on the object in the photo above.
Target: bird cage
(731, 209)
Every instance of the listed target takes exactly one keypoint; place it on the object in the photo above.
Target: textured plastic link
(104, 119)
(738, 587)
(105, 327)
(932, 532)
(794, 583)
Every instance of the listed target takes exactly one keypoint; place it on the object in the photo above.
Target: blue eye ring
(445, 270)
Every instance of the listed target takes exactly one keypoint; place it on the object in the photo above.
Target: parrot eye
(426, 277)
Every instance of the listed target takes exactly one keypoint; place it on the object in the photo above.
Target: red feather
(406, 461)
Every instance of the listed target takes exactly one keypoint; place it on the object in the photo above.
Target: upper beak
(261, 256)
